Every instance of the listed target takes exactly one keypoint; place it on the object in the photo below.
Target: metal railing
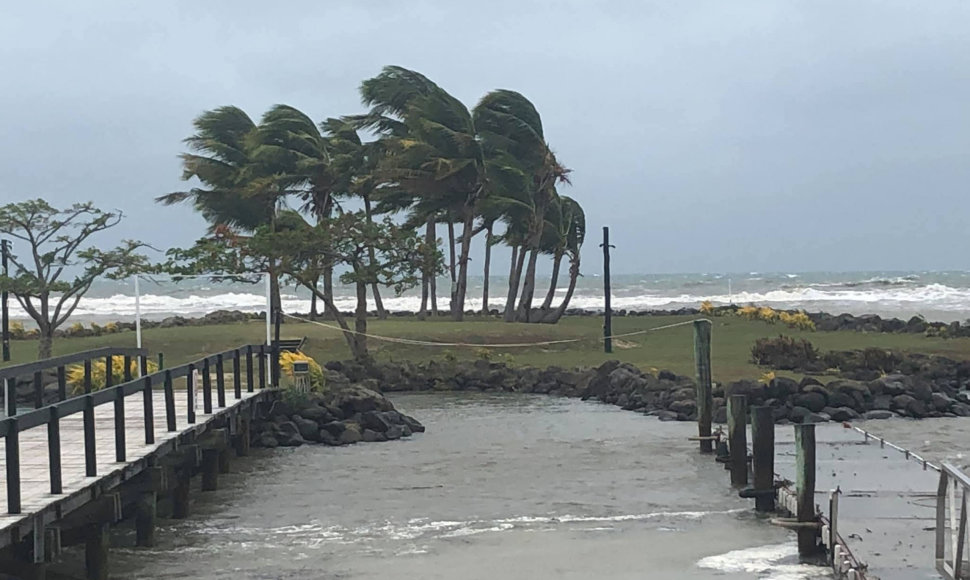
(50, 415)
(951, 523)
(10, 374)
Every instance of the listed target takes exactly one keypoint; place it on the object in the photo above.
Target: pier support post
(146, 510)
(96, 543)
(224, 461)
(737, 416)
(705, 397)
(763, 460)
(210, 469)
(805, 489)
(242, 435)
(180, 496)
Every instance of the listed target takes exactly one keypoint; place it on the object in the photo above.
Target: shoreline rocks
(345, 415)
(937, 391)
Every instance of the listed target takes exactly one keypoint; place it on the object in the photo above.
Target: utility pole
(4, 311)
(608, 310)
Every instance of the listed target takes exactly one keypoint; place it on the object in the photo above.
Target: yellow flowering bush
(749, 312)
(799, 320)
(75, 329)
(17, 330)
(707, 308)
(75, 373)
(110, 328)
(287, 358)
(767, 314)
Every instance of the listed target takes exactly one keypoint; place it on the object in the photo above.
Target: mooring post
(705, 396)
(607, 291)
(96, 543)
(763, 460)
(805, 489)
(737, 416)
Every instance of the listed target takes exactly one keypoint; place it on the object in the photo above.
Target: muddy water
(509, 487)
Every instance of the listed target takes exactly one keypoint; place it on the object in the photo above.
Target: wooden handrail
(50, 415)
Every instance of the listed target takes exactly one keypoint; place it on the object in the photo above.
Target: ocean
(943, 296)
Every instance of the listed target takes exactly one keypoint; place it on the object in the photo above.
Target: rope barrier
(883, 442)
(414, 342)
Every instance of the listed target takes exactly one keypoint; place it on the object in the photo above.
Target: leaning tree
(53, 264)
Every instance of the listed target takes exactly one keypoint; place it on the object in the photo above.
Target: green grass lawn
(665, 349)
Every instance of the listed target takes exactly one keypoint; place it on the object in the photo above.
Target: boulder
(877, 415)
(327, 438)
(351, 434)
(720, 415)
(358, 399)
(841, 413)
(371, 436)
(686, 408)
(267, 440)
(374, 421)
(813, 401)
(816, 418)
(412, 424)
(394, 432)
(335, 428)
(941, 402)
(882, 403)
(799, 414)
(308, 429)
(315, 413)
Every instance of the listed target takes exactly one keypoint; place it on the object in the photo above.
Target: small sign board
(301, 367)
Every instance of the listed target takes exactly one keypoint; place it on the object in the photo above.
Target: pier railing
(50, 415)
(9, 375)
(951, 523)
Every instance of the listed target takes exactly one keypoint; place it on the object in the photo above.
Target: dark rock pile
(346, 414)
(926, 387)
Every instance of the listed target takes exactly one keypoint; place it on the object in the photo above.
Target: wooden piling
(737, 415)
(180, 496)
(805, 489)
(763, 460)
(705, 397)
(224, 461)
(210, 469)
(242, 437)
(146, 510)
(96, 543)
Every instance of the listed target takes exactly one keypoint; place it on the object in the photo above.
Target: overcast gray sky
(712, 136)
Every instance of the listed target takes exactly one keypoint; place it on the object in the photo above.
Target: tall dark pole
(607, 310)
(276, 350)
(4, 312)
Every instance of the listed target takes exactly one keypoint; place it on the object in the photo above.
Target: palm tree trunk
(515, 273)
(372, 256)
(556, 263)
(433, 291)
(451, 263)
(427, 272)
(360, 322)
(488, 264)
(528, 288)
(458, 306)
(554, 316)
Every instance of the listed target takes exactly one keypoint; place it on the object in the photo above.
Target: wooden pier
(70, 469)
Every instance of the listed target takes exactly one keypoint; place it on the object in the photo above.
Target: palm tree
(433, 153)
(239, 189)
(509, 122)
(573, 220)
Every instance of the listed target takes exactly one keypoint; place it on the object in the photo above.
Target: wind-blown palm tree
(238, 189)
(573, 222)
(509, 122)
